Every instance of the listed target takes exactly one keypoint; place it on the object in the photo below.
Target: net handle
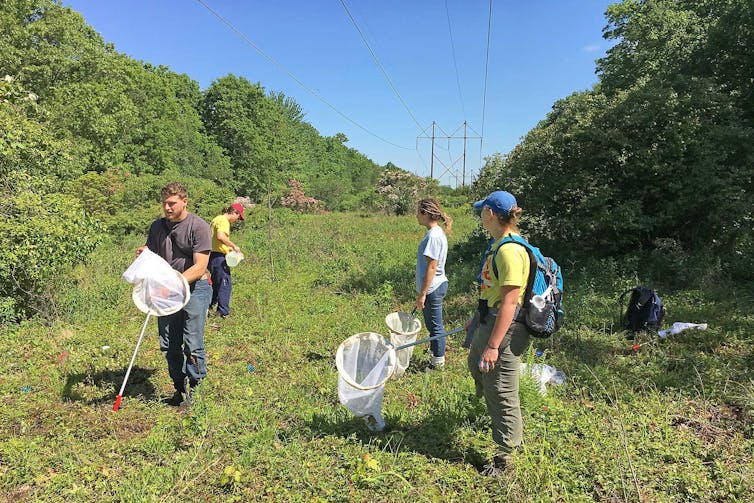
(427, 339)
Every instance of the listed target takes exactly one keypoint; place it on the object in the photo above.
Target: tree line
(658, 157)
(656, 160)
(88, 136)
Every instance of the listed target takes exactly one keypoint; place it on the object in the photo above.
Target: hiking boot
(175, 400)
(498, 465)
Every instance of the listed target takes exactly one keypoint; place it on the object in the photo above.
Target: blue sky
(539, 51)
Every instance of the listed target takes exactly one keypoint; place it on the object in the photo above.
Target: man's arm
(196, 271)
(225, 239)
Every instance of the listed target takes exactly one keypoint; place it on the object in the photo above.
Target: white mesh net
(403, 328)
(365, 361)
(159, 289)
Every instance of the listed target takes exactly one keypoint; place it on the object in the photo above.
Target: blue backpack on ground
(542, 310)
(644, 311)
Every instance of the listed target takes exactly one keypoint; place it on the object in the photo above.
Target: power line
(294, 78)
(376, 60)
(486, 68)
(455, 63)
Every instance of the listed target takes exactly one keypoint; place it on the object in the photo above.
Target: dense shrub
(45, 233)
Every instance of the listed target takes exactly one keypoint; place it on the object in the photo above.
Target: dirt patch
(714, 424)
(22, 493)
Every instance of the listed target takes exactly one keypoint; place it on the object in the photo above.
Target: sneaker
(436, 363)
(187, 391)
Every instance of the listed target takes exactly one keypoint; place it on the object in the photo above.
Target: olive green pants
(499, 386)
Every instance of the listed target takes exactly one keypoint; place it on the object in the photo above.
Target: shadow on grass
(591, 351)
(109, 383)
(432, 437)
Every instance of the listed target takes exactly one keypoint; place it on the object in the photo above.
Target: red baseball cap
(239, 208)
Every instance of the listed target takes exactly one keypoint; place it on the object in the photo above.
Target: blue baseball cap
(499, 201)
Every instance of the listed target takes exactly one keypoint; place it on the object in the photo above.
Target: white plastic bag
(543, 374)
(680, 326)
(159, 289)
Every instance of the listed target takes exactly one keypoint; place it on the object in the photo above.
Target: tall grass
(671, 422)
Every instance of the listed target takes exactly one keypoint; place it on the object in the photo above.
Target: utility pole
(432, 160)
(463, 177)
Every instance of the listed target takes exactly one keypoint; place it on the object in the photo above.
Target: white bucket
(233, 258)
(403, 327)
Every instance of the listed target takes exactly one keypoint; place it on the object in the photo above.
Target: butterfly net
(159, 289)
(365, 361)
(403, 328)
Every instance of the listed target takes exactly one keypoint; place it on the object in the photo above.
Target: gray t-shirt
(177, 242)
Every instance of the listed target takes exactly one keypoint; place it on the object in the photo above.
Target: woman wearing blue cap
(499, 340)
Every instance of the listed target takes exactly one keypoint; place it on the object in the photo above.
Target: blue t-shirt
(434, 246)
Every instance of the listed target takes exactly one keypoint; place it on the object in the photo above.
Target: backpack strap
(623, 316)
(532, 268)
(623, 295)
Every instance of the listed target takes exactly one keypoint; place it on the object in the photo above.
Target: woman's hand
(488, 359)
(420, 300)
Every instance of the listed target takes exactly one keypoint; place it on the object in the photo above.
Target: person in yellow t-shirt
(494, 360)
(221, 246)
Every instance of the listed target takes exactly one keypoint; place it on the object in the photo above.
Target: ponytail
(431, 207)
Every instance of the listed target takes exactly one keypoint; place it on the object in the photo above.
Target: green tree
(660, 151)
(253, 131)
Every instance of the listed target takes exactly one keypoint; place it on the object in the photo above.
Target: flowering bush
(400, 190)
(296, 200)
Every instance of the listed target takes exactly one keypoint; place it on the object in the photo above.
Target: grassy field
(671, 422)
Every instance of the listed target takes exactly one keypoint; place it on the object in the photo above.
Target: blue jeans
(433, 318)
(182, 337)
(221, 283)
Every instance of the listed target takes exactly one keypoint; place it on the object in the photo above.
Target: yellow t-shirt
(513, 270)
(220, 224)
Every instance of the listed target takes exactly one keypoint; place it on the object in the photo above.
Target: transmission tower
(438, 133)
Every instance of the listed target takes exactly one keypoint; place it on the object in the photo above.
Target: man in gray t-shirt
(184, 240)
